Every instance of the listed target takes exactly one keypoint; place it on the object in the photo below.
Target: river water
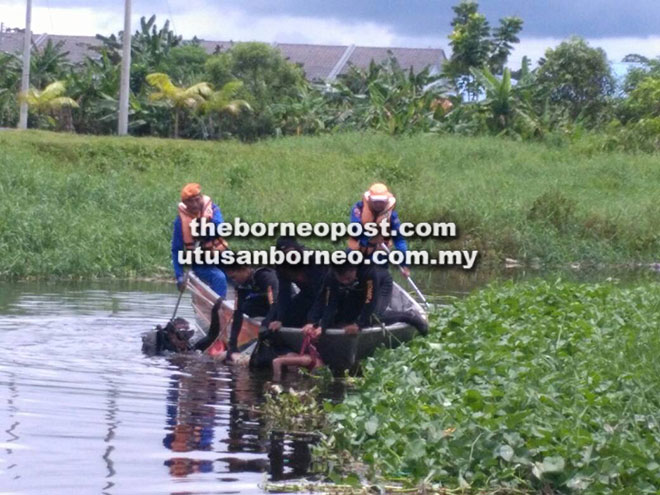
(83, 411)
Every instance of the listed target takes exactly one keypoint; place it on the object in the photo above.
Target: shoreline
(88, 207)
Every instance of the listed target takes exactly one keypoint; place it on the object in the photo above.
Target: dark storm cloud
(552, 18)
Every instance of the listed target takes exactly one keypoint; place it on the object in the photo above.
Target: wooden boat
(340, 351)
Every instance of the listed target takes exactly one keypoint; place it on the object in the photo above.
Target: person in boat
(195, 205)
(356, 297)
(293, 310)
(377, 206)
(296, 309)
(256, 291)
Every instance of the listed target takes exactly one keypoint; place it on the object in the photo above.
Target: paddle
(178, 301)
(186, 273)
(409, 278)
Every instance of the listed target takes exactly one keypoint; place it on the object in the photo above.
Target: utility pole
(124, 88)
(25, 80)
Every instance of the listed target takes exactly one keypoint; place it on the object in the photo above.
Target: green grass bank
(548, 388)
(82, 207)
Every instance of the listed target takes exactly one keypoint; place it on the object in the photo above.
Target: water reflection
(12, 431)
(190, 415)
(83, 411)
(112, 423)
(209, 405)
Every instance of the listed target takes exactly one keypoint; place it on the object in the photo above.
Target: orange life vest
(368, 216)
(218, 244)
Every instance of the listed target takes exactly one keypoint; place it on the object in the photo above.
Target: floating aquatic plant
(550, 387)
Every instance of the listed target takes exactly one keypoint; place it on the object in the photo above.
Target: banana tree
(501, 99)
(49, 101)
(306, 113)
(388, 98)
(179, 99)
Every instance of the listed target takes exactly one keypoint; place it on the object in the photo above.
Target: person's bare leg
(277, 369)
(291, 359)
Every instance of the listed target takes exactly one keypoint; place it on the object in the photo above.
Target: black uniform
(257, 297)
(296, 310)
(254, 298)
(363, 303)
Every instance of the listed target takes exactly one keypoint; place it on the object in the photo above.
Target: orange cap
(378, 192)
(190, 190)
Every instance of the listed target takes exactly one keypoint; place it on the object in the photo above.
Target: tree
(94, 85)
(475, 45)
(576, 77)
(305, 114)
(502, 42)
(48, 64)
(223, 102)
(10, 83)
(644, 67)
(508, 111)
(268, 79)
(388, 98)
(180, 99)
(499, 97)
(184, 63)
(644, 100)
(49, 101)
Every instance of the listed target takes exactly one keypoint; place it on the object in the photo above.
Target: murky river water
(83, 411)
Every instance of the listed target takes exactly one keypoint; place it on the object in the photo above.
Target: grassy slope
(80, 206)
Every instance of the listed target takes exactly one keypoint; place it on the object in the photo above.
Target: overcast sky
(618, 27)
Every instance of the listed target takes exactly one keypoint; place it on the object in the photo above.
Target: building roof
(416, 58)
(320, 62)
(77, 46)
(11, 42)
(316, 60)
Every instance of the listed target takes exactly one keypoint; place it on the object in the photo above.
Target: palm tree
(223, 101)
(49, 100)
(178, 98)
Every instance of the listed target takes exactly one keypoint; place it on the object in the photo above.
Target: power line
(169, 13)
(50, 16)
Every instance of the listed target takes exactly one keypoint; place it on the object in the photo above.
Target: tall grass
(76, 206)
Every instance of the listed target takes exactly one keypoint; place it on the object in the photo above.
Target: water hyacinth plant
(547, 387)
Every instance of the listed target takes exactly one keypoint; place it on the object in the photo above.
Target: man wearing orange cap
(195, 205)
(377, 206)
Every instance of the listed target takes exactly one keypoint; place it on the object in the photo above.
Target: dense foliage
(545, 386)
(570, 96)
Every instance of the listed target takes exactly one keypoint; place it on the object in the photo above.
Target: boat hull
(339, 351)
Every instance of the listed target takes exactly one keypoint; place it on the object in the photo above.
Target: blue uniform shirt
(398, 240)
(177, 239)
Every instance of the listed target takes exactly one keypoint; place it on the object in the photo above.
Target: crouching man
(256, 291)
(356, 297)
